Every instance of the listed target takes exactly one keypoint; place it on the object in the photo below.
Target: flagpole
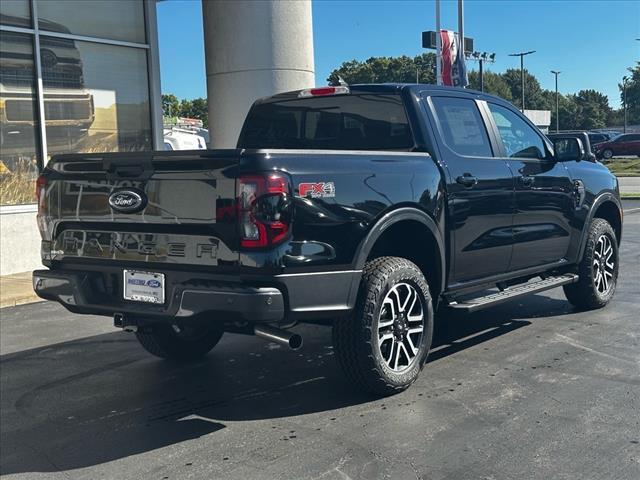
(438, 46)
(461, 24)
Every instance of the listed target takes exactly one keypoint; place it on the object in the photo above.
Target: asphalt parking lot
(528, 390)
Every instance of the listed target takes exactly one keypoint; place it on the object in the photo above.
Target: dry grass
(17, 186)
(624, 167)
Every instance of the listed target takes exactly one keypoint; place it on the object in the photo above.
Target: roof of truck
(381, 88)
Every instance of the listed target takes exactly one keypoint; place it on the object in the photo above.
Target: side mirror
(568, 149)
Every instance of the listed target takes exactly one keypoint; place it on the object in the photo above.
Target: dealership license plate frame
(144, 293)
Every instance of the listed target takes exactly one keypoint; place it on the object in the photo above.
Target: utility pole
(624, 101)
(522, 55)
(556, 73)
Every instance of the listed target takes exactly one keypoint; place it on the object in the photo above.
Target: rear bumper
(86, 292)
(250, 298)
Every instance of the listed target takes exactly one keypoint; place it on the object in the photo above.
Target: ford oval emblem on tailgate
(127, 200)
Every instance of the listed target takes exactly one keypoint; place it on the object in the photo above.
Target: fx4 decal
(317, 190)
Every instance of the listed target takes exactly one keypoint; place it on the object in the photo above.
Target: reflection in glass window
(96, 97)
(18, 120)
(96, 18)
(16, 13)
(519, 139)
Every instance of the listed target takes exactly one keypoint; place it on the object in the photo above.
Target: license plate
(143, 286)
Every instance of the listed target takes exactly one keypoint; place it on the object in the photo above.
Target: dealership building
(84, 76)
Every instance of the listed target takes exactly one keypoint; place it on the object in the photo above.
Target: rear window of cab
(334, 122)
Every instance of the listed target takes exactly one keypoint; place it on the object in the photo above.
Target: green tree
(200, 110)
(568, 110)
(534, 98)
(387, 69)
(493, 84)
(593, 109)
(633, 95)
(170, 105)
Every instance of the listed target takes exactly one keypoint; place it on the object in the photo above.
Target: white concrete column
(253, 49)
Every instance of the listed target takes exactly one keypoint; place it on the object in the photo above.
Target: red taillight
(41, 195)
(41, 188)
(263, 210)
(323, 91)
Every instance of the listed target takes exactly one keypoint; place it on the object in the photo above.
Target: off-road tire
(355, 339)
(162, 340)
(584, 294)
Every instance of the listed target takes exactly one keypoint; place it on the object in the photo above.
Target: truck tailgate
(186, 215)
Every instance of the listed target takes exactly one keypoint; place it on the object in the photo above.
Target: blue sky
(591, 42)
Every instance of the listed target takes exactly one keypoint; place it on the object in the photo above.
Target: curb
(22, 300)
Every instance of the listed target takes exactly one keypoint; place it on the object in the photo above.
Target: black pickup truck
(365, 207)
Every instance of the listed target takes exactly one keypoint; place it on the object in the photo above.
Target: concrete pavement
(16, 289)
(629, 184)
(527, 390)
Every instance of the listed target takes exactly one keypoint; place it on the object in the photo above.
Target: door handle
(527, 180)
(467, 180)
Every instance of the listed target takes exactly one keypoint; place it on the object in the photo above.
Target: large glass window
(18, 119)
(462, 126)
(122, 20)
(95, 92)
(96, 97)
(519, 139)
(16, 13)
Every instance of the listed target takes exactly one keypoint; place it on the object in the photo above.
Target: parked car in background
(183, 139)
(563, 145)
(627, 144)
(599, 137)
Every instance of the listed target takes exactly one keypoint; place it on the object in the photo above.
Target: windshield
(338, 122)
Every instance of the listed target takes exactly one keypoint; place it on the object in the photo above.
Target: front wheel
(598, 269)
(608, 154)
(181, 343)
(384, 344)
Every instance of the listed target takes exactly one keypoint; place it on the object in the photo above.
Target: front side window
(462, 126)
(518, 138)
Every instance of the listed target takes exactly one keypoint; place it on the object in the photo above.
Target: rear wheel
(384, 344)
(598, 269)
(182, 343)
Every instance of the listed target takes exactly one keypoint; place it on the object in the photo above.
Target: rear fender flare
(389, 219)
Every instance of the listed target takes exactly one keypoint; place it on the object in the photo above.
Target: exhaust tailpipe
(279, 336)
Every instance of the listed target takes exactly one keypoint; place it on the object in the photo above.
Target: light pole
(481, 57)
(522, 55)
(624, 102)
(556, 73)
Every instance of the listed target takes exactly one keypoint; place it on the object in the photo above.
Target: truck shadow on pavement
(99, 399)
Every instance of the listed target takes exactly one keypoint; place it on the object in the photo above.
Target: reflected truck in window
(365, 208)
(68, 106)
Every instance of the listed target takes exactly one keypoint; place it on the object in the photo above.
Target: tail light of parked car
(263, 210)
(41, 196)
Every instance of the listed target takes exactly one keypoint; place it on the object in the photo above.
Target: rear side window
(519, 138)
(462, 126)
(340, 122)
